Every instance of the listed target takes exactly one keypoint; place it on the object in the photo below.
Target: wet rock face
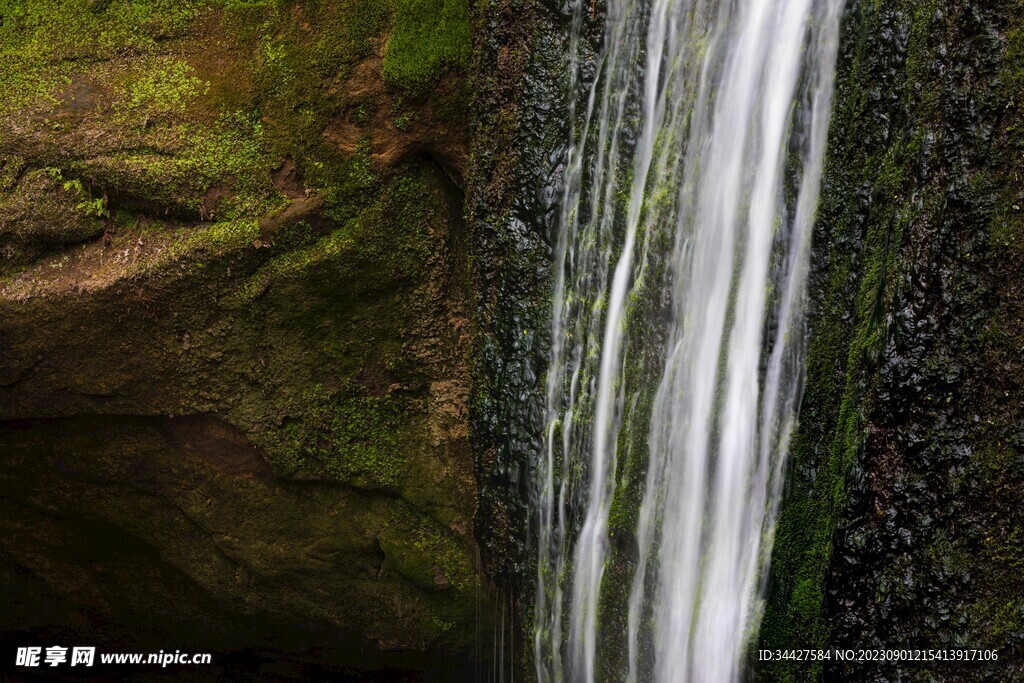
(931, 531)
(901, 524)
(512, 193)
(234, 391)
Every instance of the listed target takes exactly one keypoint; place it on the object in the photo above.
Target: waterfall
(690, 184)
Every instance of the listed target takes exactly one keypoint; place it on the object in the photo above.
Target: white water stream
(691, 180)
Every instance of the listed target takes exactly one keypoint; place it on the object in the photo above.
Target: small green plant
(91, 206)
(402, 118)
(95, 206)
(403, 121)
(361, 115)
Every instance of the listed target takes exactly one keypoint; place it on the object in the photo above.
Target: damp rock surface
(901, 524)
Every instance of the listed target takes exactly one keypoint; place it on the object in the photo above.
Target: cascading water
(689, 195)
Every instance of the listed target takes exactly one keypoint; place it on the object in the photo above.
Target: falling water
(684, 238)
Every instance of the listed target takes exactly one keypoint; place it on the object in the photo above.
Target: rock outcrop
(235, 321)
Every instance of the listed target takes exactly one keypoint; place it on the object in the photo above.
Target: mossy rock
(190, 249)
(43, 211)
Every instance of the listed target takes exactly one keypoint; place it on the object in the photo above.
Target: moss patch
(428, 36)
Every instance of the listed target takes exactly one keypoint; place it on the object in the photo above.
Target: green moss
(293, 262)
(419, 547)
(186, 126)
(995, 622)
(360, 167)
(23, 88)
(428, 36)
(356, 438)
(40, 40)
(164, 87)
(229, 155)
(293, 64)
(1007, 227)
(54, 30)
